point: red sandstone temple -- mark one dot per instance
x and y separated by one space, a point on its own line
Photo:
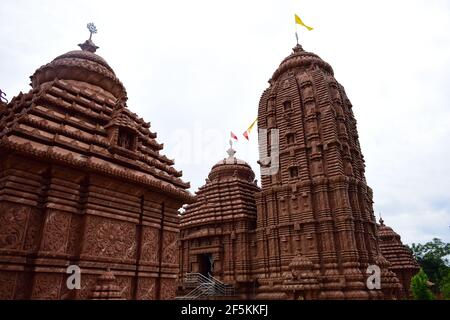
83 183
309 232
402 262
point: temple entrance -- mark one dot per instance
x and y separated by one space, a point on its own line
205 264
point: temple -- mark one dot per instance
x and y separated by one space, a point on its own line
402 262
309 232
217 231
83 182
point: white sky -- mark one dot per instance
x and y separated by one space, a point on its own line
196 70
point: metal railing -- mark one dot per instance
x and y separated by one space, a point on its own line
205 287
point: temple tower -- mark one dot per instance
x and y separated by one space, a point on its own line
400 256
216 232
317 208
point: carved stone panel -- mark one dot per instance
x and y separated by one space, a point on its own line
168 288
55 232
110 238
169 247
7 285
12 226
146 289
47 286
150 247
34 227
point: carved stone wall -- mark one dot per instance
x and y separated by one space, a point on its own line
60 216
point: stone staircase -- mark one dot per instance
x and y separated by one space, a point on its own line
205 287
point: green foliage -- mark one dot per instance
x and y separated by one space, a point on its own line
433 258
435 249
419 287
445 287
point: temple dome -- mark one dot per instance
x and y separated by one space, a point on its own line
385 232
400 257
82 66
300 58
232 167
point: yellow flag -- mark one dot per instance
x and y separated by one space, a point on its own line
252 125
300 22
247 132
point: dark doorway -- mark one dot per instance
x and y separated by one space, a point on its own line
205 266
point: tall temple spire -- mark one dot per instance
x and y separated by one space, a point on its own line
312 171
89 45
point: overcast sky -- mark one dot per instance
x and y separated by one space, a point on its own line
196 70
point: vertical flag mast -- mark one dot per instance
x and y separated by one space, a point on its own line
300 22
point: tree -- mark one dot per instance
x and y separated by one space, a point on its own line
419 286
445 287
433 258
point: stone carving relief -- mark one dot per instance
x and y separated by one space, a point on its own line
150 246
307 93
146 289
335 95
168 288
310 108
87 283
7 283
22 288
125 284
33 229
73 241
12 225
46 286
109 238
169 247
55 232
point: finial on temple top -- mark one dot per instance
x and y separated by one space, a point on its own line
92 29
298 48
231 152
89 45
381 220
